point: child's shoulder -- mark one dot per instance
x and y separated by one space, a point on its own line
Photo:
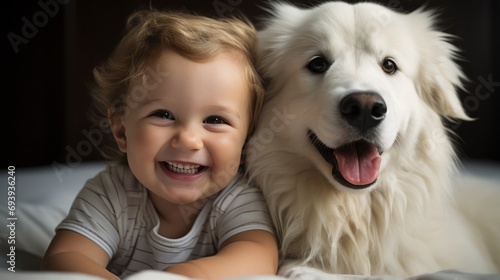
118 170
239 191
116 177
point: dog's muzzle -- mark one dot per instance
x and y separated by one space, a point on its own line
354 165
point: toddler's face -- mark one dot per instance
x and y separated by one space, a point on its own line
184 138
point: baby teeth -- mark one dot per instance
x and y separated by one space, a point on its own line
183 168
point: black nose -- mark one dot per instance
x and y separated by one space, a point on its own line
363 110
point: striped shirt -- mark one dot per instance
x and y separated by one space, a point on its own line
114 210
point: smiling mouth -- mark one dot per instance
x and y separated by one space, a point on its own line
183 168
355 165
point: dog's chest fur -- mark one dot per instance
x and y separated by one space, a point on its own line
366 233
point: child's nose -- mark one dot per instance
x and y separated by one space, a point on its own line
187 139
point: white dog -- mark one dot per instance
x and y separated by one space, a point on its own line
351 151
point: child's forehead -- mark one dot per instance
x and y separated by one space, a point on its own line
175 72
171 66
170 57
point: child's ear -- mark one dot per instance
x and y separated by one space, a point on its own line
118 130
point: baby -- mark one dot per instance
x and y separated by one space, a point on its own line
181 96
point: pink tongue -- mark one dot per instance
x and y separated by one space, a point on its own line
358 163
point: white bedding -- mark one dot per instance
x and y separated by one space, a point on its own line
44 195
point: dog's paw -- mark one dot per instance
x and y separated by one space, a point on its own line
297 271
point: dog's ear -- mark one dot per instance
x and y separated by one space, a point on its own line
439 76
277 27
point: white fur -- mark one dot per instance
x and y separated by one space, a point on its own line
407 223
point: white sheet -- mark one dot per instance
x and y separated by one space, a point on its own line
44 195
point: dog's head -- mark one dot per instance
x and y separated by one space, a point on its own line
357 81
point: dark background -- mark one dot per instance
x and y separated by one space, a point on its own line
45 81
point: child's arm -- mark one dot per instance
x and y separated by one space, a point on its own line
70 251
253 252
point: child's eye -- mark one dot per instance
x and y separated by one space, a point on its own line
162 114
215 120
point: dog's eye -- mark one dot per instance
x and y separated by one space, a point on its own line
389 66
318 65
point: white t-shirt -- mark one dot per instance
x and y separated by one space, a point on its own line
114 210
